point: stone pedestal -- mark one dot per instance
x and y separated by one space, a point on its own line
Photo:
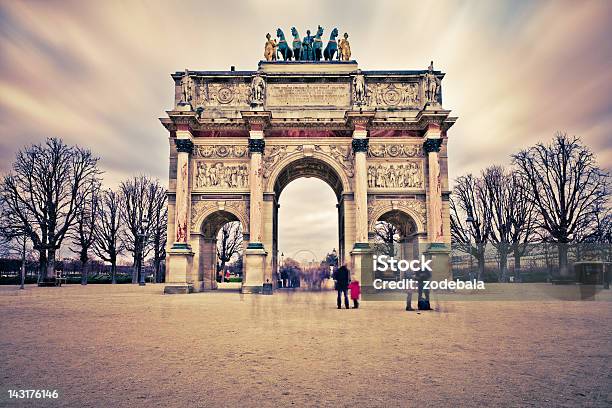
362 267
255 267
180 266
441 262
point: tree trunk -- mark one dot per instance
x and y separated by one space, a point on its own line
50 273
157 264
135 270
113 272
481 265
563 267
23 264
517 265
84 273
42 265
503 262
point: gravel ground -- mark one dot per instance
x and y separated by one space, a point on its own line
127 346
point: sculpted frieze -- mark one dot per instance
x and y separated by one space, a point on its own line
395 150
395 176
405 95
221 175
220 151
223 94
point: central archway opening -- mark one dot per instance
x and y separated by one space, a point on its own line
308 224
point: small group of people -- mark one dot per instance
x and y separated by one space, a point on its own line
345 283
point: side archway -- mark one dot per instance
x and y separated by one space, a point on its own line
205 239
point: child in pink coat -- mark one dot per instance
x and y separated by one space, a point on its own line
355 292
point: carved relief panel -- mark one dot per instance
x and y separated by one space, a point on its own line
394 95
222 94
401 175
220 167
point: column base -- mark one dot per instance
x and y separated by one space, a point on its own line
178 289
180 246
255 267
180 268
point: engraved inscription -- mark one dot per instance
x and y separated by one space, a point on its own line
308 95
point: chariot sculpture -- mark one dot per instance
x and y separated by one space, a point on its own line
310 48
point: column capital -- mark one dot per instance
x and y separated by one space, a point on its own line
359 120
256 120
256 145
431 145
360 145
184 145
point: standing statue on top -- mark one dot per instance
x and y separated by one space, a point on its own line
186 88
332 46
258 90
359 89
432 86
307 51
270 48
345 48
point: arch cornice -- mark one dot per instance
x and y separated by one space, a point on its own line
415 209
343 170
200 210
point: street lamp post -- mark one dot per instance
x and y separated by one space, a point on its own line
142 240
469 220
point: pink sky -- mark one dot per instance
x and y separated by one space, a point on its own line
97 74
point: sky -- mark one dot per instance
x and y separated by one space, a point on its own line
97 74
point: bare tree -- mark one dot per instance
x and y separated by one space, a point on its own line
512 218
108 228
469 202
229 243
44 192
158 225
522 223
83 232
140 199
387 235
566 186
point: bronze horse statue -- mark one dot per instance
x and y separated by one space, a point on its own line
318 45
283 47
332 46
297 44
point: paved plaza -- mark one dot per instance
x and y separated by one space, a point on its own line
125 345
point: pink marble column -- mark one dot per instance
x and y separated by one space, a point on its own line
431 146
184 146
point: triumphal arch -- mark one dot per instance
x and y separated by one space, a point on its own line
237 138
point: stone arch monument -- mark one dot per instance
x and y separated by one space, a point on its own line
237 138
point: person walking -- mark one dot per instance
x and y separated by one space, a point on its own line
341 276
355 291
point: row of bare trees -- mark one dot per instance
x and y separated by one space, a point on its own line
553 193
53 196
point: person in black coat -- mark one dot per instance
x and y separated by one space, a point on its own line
342 278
